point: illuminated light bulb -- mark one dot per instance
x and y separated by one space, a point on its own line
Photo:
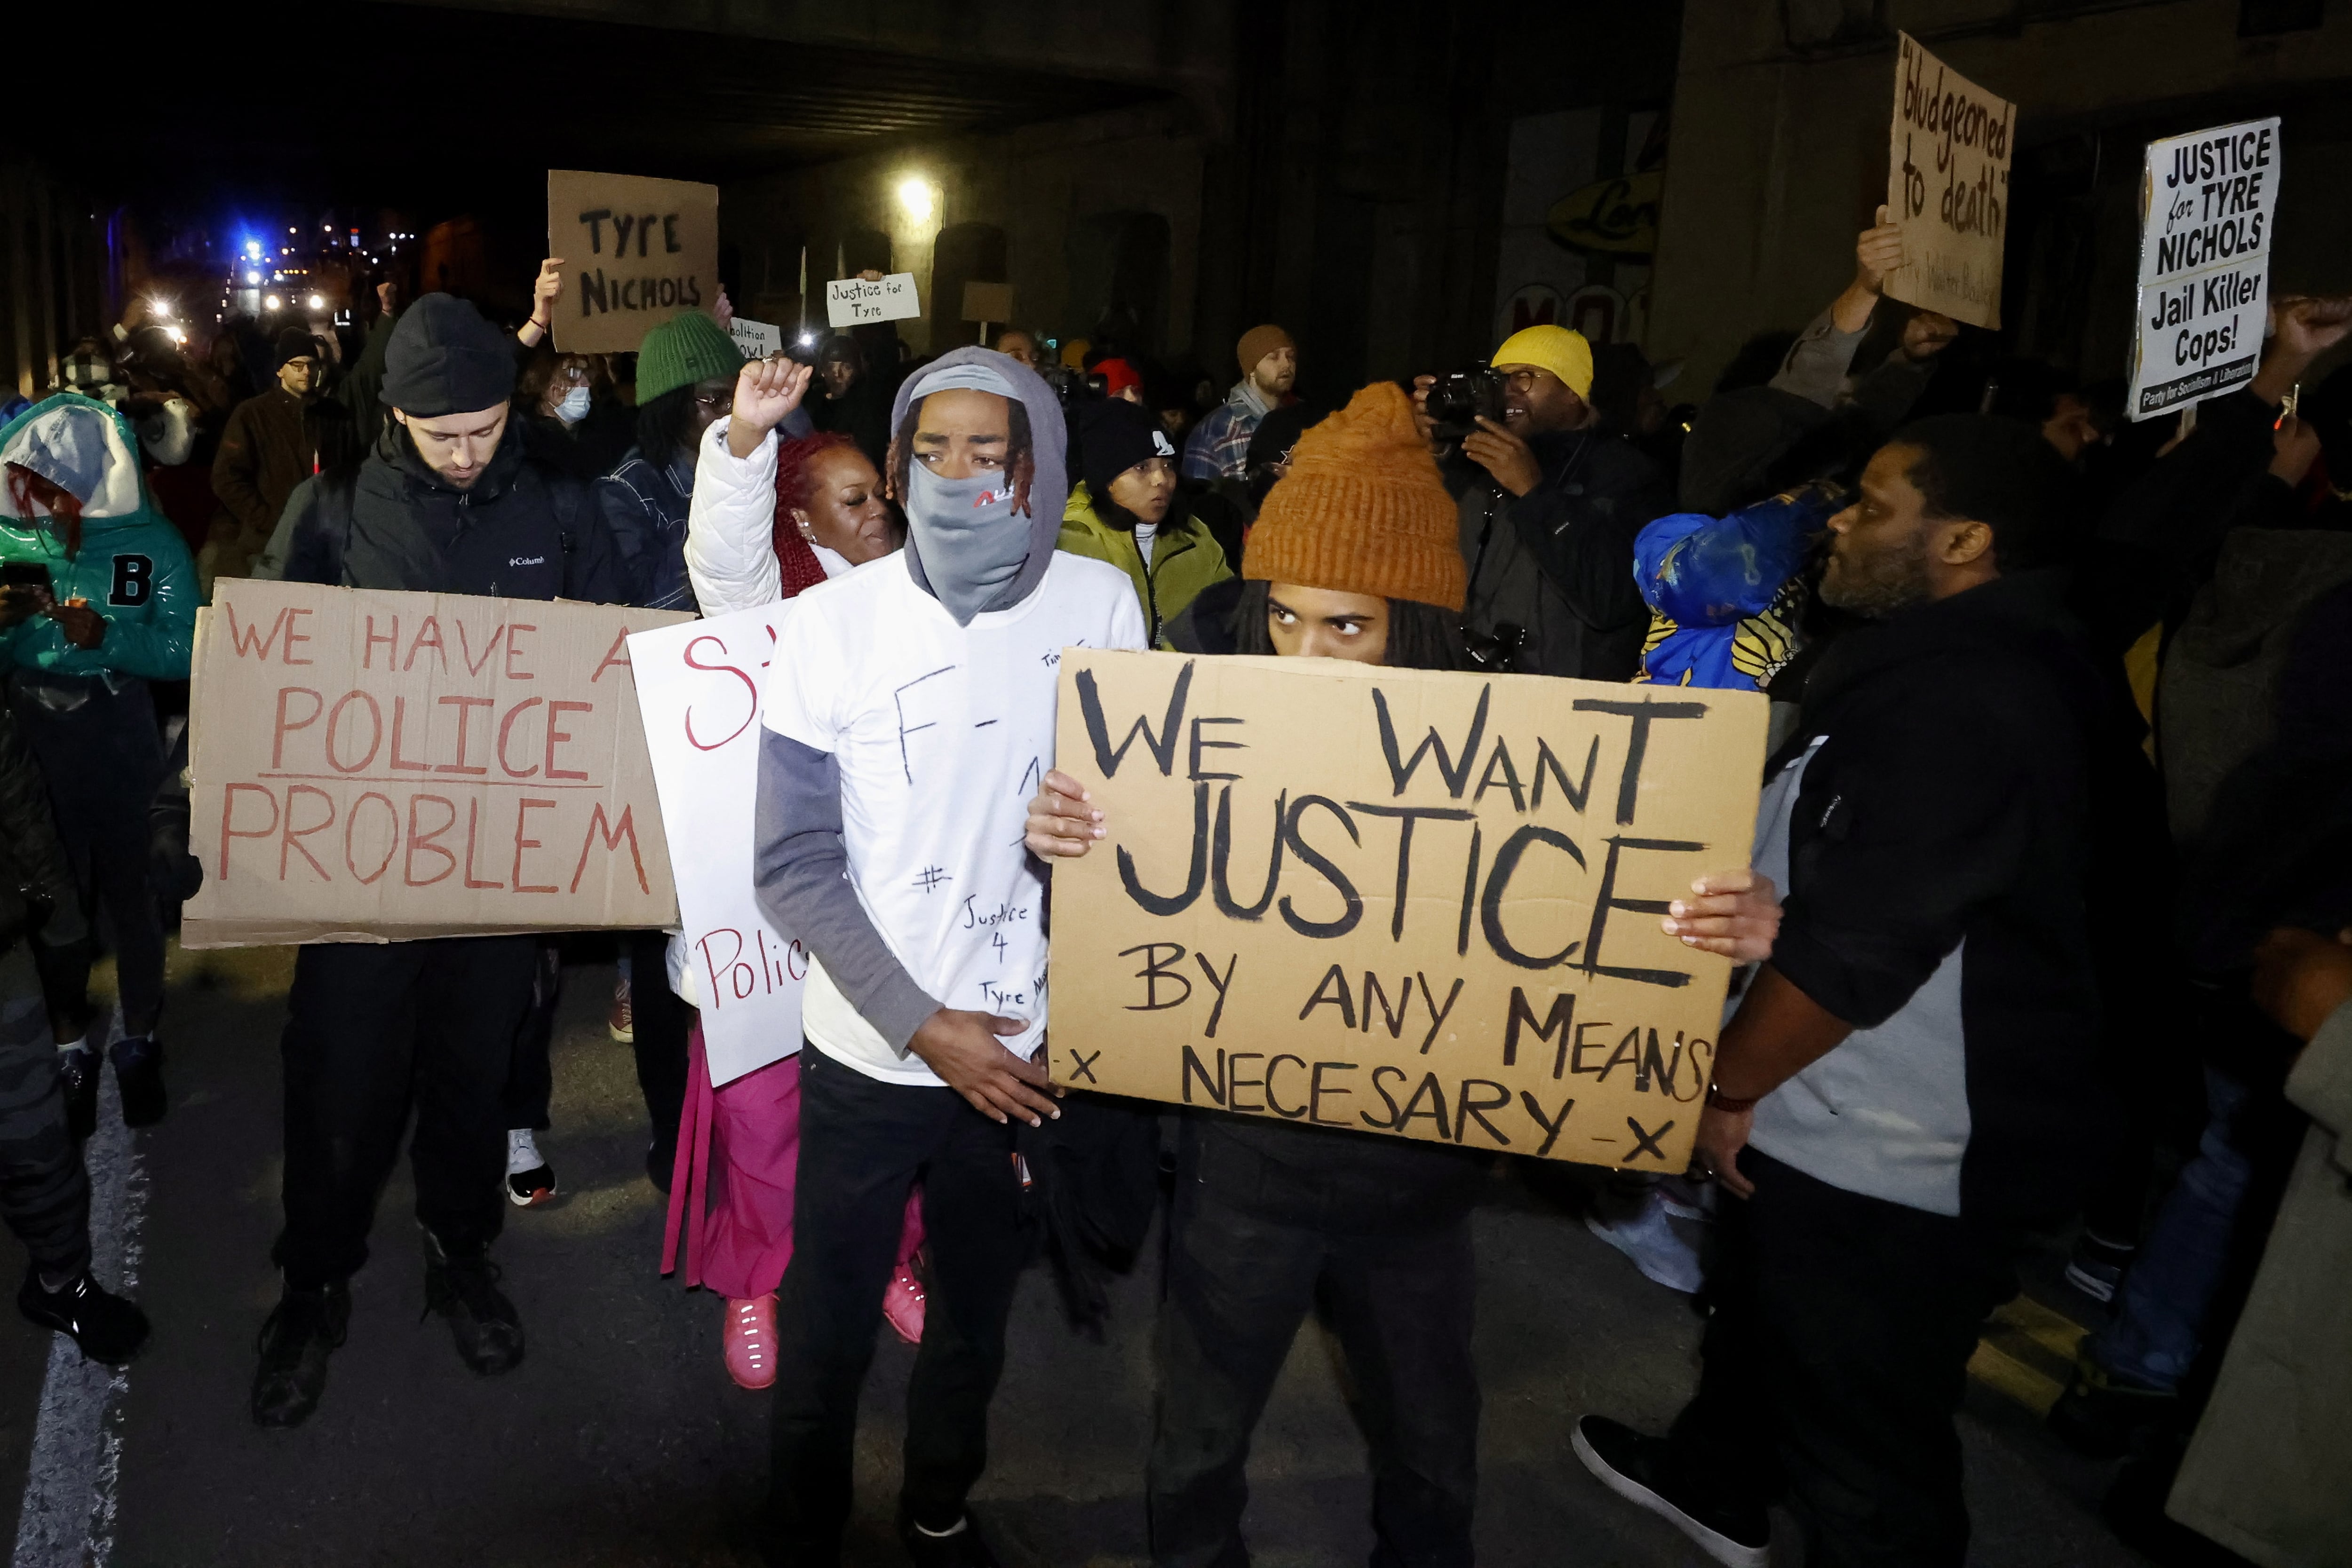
272 302
916 197
318 303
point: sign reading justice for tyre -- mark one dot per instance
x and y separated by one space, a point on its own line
1404 901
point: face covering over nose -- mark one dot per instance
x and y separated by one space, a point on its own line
574 406
972 542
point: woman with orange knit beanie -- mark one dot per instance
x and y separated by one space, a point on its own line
1355 556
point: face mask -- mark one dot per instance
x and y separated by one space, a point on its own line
971 543
574 406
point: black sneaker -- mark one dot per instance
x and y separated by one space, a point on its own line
661 1163
465 1289
1632 1465
139 1074
962 1548
2101 1417
2097 1266
78 1072
105 1326
302 1331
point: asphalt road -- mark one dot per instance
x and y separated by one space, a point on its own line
621 1441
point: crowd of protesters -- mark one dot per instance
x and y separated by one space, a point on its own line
2046 928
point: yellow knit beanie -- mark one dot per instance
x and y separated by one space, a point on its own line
1362 510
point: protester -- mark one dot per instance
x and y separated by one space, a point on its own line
44 1194
448 503
1019 345
1353 558
1120 511
264 453
1549 506
117 611
1120 379
851 400
685 384
767 525
1219 444
1885 1142
577 431
921 1035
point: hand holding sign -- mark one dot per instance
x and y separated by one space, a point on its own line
1736 913
547 290
1061 822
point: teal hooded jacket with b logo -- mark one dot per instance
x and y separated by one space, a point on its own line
132 566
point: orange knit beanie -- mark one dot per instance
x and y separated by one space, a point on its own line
1362 510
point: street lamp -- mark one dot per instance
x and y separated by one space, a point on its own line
915 194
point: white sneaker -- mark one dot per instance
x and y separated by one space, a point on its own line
1650 1240
530 1180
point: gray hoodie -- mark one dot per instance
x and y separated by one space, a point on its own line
800 864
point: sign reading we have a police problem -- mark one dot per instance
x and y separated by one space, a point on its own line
381 766
1414 902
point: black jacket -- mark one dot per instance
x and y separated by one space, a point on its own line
523 531
35 876
1558 562
1950 800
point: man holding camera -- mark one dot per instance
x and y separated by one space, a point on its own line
1549 505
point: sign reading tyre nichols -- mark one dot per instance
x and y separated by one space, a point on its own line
381 767
2208 202
1400 901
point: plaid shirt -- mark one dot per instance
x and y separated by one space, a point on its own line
1219 447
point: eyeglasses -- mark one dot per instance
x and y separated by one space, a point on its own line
722 402
1521 381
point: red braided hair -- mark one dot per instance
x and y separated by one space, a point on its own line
795 484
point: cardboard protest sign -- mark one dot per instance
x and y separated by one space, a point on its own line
699 688
636 251
1947 185
1415 903
755 339
986 302
853 301
381 767
2207 203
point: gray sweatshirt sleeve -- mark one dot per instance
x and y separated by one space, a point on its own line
802 872
1818 362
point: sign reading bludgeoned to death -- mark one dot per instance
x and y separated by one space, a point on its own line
636 251
377 765
1947 185
1414 902
2207 204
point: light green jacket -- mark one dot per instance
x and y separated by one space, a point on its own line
1185 558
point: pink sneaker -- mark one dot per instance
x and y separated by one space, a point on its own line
902 1303
752 1340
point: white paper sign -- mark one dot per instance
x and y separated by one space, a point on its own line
756 340
698 690
2207 203
853 301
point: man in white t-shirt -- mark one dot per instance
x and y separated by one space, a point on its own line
910 717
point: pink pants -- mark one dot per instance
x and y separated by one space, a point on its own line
731 1194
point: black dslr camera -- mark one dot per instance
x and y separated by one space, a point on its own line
1460 400
1074 387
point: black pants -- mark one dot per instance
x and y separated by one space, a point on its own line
372 1030
44 1194
103 761
660 1022
1833 1363
1244 1262
863 1144
530 1081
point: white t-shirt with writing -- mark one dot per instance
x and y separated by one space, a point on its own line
941 734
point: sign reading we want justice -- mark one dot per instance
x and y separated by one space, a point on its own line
1408 902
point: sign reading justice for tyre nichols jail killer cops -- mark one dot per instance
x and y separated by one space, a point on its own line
371 766
1409 901
1948 185
2207 203
636 251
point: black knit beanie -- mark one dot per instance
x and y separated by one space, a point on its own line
444 359
1114 435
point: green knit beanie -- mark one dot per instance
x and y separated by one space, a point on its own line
688 348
